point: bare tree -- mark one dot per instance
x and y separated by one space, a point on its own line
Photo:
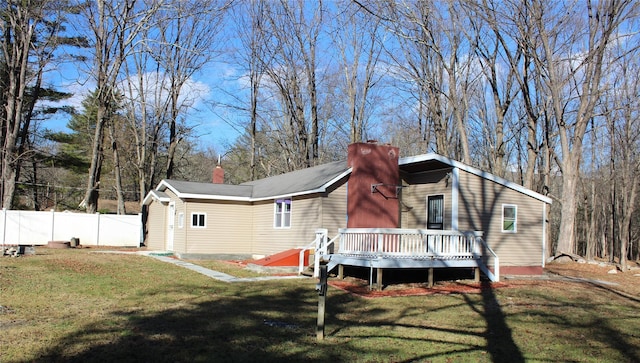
624 126
435 58
292 30
250 21
356 38
115 28
186 33
572 82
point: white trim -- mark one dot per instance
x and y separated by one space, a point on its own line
515 222
275 213
199 214
180 220
455 188
544 234
153 195
472 170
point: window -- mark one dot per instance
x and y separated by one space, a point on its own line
509 218
180 220
198 220
282 218
435 212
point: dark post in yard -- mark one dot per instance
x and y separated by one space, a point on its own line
321 287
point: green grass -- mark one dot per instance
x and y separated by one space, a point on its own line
76 306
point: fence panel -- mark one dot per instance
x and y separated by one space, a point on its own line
80 225
119 230
38 228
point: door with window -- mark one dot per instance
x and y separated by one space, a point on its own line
171 219
435 212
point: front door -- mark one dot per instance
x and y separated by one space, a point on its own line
171 219
435 212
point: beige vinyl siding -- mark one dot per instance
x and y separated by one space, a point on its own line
156 226
305 219
334 210
480 209
418 187
227 231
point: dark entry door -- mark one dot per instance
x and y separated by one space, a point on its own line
435 212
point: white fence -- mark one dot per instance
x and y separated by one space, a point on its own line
38 228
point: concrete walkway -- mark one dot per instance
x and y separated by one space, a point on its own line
220 276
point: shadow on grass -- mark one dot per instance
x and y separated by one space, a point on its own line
260 323
275 321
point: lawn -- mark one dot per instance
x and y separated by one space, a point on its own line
78 306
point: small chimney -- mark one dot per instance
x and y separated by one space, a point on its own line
218 173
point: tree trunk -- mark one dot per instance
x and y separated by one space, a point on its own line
116 169
566 235
90 201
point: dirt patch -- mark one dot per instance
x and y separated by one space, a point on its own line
599 272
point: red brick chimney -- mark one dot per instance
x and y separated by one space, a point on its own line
218 174
372 200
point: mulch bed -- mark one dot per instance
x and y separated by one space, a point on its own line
361 288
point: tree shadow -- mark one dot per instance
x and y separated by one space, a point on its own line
498 334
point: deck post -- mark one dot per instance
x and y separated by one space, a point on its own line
341 272
379 279
476 271
430 284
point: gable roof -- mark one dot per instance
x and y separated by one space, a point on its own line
435 161
300 182
312 180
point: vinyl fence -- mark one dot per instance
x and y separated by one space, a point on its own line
38 228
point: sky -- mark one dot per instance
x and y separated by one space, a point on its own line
211 128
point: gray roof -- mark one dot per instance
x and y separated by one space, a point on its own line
311 180
196 188
300 181
305 181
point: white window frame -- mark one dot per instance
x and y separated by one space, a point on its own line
198 225
283 202
181 220
515 219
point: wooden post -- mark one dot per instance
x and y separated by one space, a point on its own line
341 272
476 271
322 297
379 279
430 277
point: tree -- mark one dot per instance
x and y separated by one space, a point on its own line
292 30
432 56
30 35
115 27
356 37
573 73
249 20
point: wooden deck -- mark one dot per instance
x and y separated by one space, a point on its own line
380 248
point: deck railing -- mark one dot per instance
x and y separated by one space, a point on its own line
409 243
404 243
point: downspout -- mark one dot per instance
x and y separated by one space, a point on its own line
455 185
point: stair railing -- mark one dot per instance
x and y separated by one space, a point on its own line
495 275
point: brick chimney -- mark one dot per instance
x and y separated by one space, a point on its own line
372 200
218 173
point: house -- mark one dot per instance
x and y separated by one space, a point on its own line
424 211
